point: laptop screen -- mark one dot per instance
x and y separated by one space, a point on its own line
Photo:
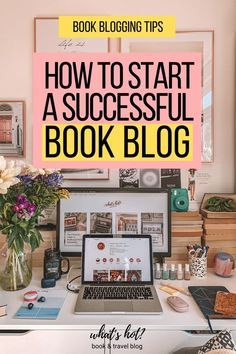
123 259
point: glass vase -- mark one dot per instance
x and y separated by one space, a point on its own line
17 268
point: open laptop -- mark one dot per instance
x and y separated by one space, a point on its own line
117 276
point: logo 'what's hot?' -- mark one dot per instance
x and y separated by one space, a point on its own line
139 108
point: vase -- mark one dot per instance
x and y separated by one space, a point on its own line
17 268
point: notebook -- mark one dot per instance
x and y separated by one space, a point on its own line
205 298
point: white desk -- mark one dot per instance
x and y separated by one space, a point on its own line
170 325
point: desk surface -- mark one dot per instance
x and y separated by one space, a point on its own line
169 320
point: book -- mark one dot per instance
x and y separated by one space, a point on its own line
185 214
187 228
188 215
213 237
220 215
225 303
187 233
3 310
218 232
219 221
185 241
220 227
187 222
221 243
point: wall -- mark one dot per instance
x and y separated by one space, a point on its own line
16 38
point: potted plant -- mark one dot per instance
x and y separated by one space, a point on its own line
25 192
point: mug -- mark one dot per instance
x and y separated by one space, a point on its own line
53 264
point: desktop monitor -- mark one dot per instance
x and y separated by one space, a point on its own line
111 211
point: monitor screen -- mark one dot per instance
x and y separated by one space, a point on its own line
114 211
123 259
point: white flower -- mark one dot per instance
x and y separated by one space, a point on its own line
4 185
29 169
50 171
9 170
11 164
20 163
3 163
8 173
32 171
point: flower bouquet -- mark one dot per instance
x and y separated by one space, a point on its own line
25 192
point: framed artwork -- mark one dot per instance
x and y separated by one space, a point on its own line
46 39
139 178
187 41
48 219
149 178
129 177
114 211
12 128
84 174
170 178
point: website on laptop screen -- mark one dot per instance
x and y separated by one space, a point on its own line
117 260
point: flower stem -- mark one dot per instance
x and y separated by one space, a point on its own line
14 269
16 266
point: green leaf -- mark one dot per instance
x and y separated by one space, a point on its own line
14 218
6 208
6 230
24 225
12 237
35 238
19 243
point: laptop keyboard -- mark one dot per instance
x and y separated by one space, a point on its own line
117 293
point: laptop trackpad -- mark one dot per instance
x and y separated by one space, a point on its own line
118 306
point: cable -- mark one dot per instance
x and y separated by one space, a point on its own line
209 324
72 288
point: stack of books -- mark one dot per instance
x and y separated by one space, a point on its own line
219 235
187 228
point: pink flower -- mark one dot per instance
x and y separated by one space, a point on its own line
15 208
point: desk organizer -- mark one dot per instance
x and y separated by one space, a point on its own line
198 267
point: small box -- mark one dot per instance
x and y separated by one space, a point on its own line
48 283
217 214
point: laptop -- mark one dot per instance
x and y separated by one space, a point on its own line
117 276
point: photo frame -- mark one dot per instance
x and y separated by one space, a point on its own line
12 128
47 222
46 39
90 174
114 211
188 41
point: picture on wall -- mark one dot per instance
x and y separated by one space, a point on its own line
85 174
47 40
187 41
149 178
139 178
129 178
47 220
12 128
170 178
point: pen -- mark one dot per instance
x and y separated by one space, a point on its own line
178 288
